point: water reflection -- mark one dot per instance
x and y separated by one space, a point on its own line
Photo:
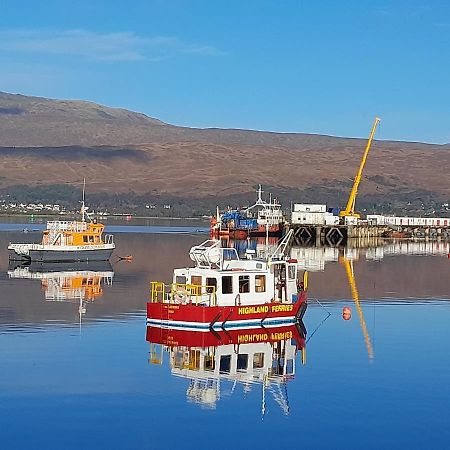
383 274
314 258
225 362
79 283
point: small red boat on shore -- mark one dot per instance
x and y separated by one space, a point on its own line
224 291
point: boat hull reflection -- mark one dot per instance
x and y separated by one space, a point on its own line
66 281
265 357
189 338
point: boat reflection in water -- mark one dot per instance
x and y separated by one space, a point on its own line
263 357
68 282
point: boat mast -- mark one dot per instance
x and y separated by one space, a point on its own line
82 202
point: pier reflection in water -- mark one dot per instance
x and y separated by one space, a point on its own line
245 358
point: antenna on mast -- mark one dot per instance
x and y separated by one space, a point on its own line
83 208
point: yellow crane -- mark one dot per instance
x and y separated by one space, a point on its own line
349 214
355 295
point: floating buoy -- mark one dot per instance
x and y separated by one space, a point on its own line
128 258
346 313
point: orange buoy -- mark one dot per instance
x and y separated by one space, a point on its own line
346 313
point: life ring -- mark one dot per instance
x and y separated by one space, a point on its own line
180 296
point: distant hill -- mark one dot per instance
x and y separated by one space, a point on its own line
45 141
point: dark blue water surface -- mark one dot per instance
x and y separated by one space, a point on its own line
74 378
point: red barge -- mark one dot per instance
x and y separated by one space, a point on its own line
224 291
259 220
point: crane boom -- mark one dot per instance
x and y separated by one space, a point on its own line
350 208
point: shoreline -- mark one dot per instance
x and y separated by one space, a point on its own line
110 216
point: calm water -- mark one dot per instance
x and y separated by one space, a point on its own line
81 374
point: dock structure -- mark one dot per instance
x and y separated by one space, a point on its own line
334 234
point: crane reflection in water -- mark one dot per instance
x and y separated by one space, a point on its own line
245 359
315 258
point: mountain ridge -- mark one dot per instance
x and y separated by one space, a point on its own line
44 141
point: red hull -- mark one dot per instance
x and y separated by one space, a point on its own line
236 233
190 315
185 338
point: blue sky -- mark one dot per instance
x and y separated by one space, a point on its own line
323 67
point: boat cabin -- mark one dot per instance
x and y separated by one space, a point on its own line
221 278
74 233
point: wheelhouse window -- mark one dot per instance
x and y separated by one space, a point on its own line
242 362
196 280
227 285
260 283
209 362
289 367
292 272
194 359
211 285
258 360
229 254
244 284
180 280
225 364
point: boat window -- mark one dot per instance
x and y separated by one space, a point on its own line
229 254
196 280
85 239
242 362
178 358
209 362
292 272
277 367
260 283
180 280
290 367
258 360
211 285
244 284
194 359
227 285
225 364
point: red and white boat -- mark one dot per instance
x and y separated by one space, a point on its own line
224 291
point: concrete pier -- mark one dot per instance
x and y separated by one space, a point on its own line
341 234
334 234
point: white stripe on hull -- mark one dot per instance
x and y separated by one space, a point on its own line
203 326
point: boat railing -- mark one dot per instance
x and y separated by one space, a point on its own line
280 251
67 226
210 254
181 293
109 239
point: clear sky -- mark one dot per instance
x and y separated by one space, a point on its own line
312 66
